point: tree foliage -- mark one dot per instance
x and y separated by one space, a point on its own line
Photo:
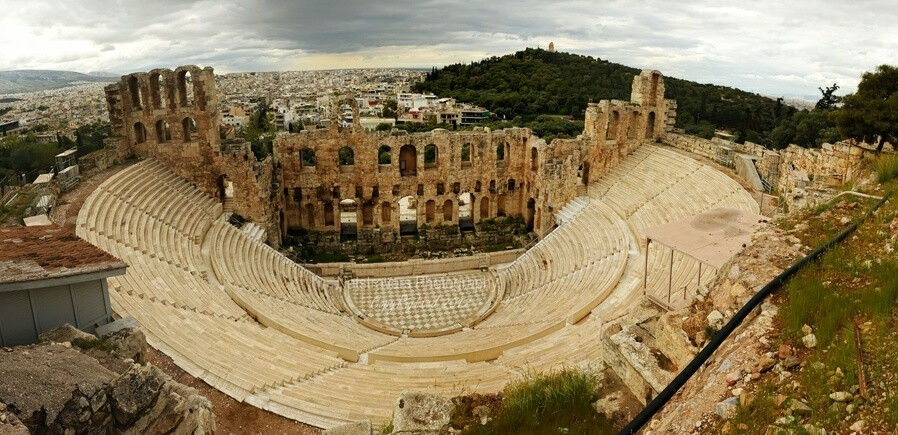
829 100
871 113
536 82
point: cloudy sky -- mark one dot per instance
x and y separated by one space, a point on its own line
775 47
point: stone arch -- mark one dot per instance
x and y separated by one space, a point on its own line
349 228
465 212
368 213
328 214
163 131
531 213
346 156
140 133
500 153
448 210
307 157
408 160
157 90
386 213
408 216
430 211
188 129
466 154
500 205
431 156
650 126
485 208
134 90
534 158
384 156
633 129
584 173
184 83
477 186
310 215
511 184
613 125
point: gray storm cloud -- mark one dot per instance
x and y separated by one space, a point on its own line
766 46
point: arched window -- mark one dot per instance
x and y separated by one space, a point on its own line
140 133
466 155
531 213
163 132
613 125
188 127
347 156
500 208
447 211
500 152
408 160
534 158
633 129
134 90
185 88
307 156
383 155
430 156
157 90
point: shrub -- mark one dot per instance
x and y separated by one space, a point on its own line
886 167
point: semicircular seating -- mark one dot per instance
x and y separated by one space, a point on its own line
236 313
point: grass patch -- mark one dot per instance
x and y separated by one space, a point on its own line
558 402
886 167
91 343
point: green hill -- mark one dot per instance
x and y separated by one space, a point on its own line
18 81
532 82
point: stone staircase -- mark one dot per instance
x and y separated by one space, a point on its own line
254 232
571 209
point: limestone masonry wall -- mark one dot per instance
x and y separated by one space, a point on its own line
791 168
377 184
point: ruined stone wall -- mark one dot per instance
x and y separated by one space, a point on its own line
172 116
828 166
788 169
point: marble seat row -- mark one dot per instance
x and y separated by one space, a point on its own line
241 262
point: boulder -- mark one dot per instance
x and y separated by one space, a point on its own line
809 341
421 413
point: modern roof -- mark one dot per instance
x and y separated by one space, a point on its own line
712 237
48 252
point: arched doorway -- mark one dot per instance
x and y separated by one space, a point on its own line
465 216
134 90
408 216
531 213
368 214
485 208
584 176
188 127
310 216
613 125
408 161
430 209
650 126
349 229
447 210
140 133
328 214
386 214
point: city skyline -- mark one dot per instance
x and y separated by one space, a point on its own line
764 47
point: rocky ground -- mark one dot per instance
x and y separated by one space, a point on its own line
57 387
